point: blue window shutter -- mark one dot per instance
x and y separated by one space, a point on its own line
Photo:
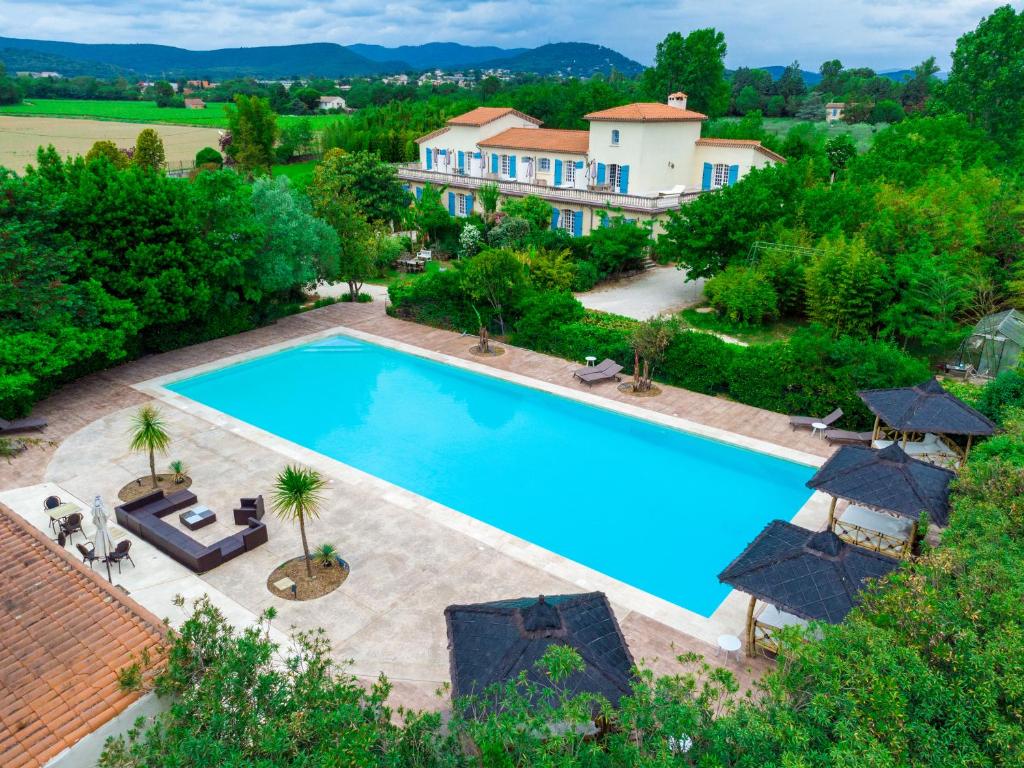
600 173
430 158
476 155
623 179
419 192
462 160
705 182
451 203
606 220
734 173
558 172
577 223
469 205
494 162
405 187
512 166
554 218
579 165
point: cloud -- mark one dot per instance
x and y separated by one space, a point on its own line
879 33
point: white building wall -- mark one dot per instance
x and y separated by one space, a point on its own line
466 137
659 154
744 157
87 750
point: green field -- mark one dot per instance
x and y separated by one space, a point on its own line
862 133
299 173
138 112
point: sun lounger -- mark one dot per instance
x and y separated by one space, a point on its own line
21 425
846 437
808 422
606 370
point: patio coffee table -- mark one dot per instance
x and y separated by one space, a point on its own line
197 517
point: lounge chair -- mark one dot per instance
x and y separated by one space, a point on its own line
606 370
808 422
21 425
846 437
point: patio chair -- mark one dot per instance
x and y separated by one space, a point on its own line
51 502
88 552
606 370
121 553
808 422
846 437
21 425
71 525
249 508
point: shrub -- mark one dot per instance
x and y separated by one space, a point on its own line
599 334
698 362
743 295
435 298
544 314
551 270
1004 392
585 277
618 246
208 156
363 298
512 232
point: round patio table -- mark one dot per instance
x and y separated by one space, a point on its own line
818 428
729 644
590 361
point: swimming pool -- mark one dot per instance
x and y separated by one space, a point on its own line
656 508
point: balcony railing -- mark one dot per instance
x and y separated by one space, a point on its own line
650 204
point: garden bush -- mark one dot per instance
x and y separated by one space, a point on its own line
544 315
743 295
585 276
1000 395
435 298
698 362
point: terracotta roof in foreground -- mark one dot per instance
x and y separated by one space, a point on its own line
484 115
742 143
644 112
544 139
64 634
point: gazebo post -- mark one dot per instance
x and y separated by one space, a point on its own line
906 437
832 512
874 434
967 450
750 626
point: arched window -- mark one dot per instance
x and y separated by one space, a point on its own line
615 136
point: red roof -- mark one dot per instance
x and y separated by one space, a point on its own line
484 115
544 139
744 144
646 112
64 635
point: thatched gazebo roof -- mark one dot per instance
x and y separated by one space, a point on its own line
926 408
493 642
813 575
887 480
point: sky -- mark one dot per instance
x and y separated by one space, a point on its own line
884 34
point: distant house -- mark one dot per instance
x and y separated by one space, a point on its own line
195 104
199 84
53 75
834 111
65 636
332 102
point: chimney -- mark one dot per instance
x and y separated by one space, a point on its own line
677 100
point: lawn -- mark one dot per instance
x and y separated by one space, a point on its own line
299 173
862 133
138 112
748 334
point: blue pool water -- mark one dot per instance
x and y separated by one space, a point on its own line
659 509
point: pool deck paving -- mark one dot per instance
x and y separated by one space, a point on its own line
410 557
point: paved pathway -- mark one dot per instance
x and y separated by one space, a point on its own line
658 291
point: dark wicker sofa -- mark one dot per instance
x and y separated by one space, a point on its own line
143 517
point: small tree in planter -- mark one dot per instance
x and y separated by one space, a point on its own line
650 341
298 496
179 470
149 433
485 341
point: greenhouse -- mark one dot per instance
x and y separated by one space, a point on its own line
993 346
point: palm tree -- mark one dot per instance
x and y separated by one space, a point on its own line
149 433
297 496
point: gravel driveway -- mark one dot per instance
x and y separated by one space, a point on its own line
658 291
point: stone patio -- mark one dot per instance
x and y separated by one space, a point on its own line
406 566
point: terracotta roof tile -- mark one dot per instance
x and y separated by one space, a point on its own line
644 112
432 134
755 145
64 634
544 139
484 115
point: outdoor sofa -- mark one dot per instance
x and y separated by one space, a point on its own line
143 517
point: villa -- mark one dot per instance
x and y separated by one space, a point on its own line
644 159
834 111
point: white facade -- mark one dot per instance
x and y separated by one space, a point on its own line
642 159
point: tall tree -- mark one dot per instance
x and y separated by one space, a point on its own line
370 182
695 65
986 82
253 134
297 497
149 150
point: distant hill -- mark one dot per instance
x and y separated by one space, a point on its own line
575 59
436 55
315 59
18 60
810 78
